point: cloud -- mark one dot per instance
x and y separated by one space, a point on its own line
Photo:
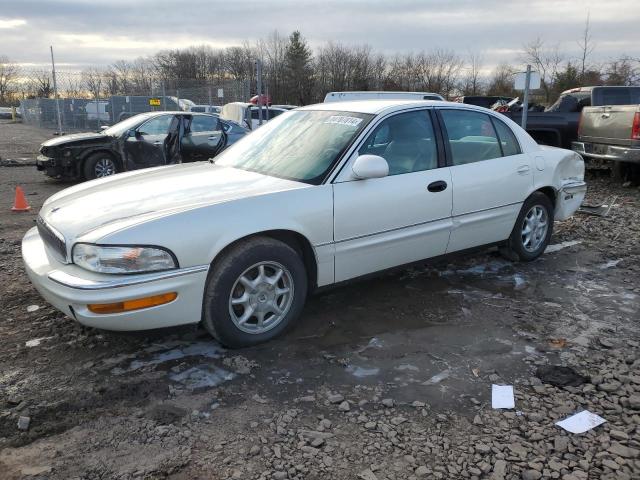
85 33
6 23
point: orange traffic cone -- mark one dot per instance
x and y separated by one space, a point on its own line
20 204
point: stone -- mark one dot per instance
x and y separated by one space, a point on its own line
280 475
388 402
623 451
618 435
335 398
367 475
634 401
23 423
344 406
560 443
255 450
499 470
531 475
482 448
421 471
612 386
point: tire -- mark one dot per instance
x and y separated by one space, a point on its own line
99 165
228 298
526 248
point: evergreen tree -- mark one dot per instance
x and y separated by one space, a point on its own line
298 70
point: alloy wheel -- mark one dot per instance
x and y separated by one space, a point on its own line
534 228
261 297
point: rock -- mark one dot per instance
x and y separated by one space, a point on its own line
344 406
335 398
23 423
560 443
611 386
280 475
482 448
422 471
255 450
623 451
531 475
618 435
367 475
477 420
634 401
388 402
499 470
398 420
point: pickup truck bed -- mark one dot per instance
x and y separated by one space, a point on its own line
556 129
610 132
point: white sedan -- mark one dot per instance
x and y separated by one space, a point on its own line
317 196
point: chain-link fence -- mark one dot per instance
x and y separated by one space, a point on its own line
88 101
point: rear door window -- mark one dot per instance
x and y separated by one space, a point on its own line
472 137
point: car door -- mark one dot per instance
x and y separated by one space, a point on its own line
491 177
203 139
401 218
146 147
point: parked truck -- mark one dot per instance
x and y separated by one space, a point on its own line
611 131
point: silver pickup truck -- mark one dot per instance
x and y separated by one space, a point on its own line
611 131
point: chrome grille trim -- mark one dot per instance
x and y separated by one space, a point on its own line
52 239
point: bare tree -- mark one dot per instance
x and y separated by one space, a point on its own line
501 81
624 70
586 44
40 84
472 81
93 81
547 61
9 73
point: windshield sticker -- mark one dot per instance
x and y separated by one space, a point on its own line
344 120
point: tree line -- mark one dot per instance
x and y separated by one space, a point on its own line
294 73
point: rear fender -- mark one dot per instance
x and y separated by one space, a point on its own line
568 181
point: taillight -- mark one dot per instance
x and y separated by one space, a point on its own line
635 129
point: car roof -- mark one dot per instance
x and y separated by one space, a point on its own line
377 107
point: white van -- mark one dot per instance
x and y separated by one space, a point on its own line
346 96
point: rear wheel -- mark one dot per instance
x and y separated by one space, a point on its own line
254 292
532 231
99 165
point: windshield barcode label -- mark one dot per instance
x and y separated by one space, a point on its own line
344 120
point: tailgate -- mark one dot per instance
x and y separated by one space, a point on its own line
610 124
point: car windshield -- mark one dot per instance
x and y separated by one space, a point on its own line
121 127
297 145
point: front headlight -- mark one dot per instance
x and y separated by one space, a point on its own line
122 259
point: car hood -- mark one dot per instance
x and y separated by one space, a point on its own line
76 137
103 206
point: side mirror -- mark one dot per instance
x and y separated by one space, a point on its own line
370 166
132 133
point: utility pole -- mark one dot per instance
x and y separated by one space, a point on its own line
55 91
259 88
525 102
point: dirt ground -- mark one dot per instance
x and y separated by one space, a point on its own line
387 378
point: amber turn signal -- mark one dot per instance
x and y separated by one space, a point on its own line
135 304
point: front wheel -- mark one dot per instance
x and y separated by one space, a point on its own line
99 165
532 232
254 292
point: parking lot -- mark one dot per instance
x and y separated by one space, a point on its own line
384 378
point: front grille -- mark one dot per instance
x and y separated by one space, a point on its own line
53 240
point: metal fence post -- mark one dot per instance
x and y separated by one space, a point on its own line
164 98
525 103
55 91
178 99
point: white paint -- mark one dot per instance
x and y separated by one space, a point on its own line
361 372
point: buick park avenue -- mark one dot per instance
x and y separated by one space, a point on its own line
319 195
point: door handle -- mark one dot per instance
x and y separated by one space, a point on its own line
213 138
438 186
157 143
523 169
606 115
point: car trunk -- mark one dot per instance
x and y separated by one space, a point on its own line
610 124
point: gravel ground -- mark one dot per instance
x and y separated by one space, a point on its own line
387 378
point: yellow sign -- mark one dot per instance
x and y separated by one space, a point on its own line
155 102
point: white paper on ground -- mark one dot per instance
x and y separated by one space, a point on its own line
502 396
581 422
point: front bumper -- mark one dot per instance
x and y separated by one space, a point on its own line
607 152
70 289
50 166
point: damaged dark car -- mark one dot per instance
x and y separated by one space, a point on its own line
145 140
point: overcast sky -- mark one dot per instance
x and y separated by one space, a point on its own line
99 32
